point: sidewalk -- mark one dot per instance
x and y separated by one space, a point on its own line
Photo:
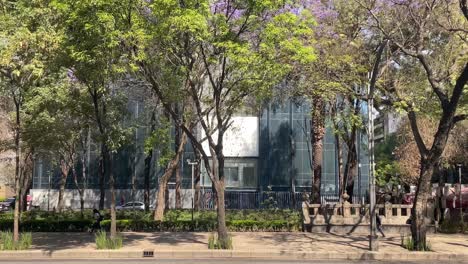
246 245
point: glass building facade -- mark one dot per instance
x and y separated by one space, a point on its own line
283 162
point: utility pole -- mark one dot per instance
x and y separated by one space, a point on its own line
373 243
461 199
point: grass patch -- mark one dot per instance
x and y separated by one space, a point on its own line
408 243
104 242
7 243
215 243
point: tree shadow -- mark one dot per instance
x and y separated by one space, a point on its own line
59 241
51 242
168 238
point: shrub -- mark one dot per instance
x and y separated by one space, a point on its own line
7 243
104 242
215 243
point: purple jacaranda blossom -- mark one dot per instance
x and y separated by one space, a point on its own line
71 75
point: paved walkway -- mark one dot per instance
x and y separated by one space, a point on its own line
248 241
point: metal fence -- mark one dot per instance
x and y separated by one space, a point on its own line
263 200
253 200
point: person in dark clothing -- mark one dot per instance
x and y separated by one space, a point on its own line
97 221
379 224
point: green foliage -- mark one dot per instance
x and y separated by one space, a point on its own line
450 226
7 243
161 138
408 243
174 221
104 242
270 202
386 169
215 243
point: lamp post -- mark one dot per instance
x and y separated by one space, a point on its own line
48 194
373 243
460 194
193 164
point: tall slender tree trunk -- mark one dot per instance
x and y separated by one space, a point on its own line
148 160
18 173
161 195
223 236
64 168
113 227
197 179
146 196
318 132
79 188
339 172
178 185
102 175
178 179
351 171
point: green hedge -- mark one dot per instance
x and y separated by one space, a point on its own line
149 225
174 221
48 226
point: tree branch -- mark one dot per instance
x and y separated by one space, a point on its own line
417 135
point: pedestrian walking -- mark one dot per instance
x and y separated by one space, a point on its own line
97 221
379 224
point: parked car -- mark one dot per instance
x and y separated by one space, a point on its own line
8 205
139 206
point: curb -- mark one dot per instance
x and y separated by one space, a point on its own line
216 254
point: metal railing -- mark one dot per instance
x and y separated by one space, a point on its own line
252 200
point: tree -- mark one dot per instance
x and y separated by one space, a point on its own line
429 37
29 41
94 33
56 124
223 53
408 157
329 83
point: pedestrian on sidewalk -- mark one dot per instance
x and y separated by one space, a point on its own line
97 221
379 224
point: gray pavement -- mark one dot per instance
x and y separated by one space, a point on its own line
284 247
211 261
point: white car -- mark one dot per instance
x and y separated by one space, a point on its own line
139 206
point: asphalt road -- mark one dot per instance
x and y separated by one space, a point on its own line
208 261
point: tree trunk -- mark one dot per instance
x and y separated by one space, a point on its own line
431 157
350 169
161 195
102 175
178 196
178 180
219 187
221 210
18 173
113 227
65 168
148 159
160 201
318 132
80 190
146 198
419 210
197 179
339 158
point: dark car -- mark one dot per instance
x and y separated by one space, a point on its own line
7 205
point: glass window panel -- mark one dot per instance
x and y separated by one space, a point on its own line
248 177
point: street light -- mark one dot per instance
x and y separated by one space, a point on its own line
373 243
193 164
460 193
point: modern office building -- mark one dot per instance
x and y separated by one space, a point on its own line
271 151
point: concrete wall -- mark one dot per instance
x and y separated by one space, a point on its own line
44 199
